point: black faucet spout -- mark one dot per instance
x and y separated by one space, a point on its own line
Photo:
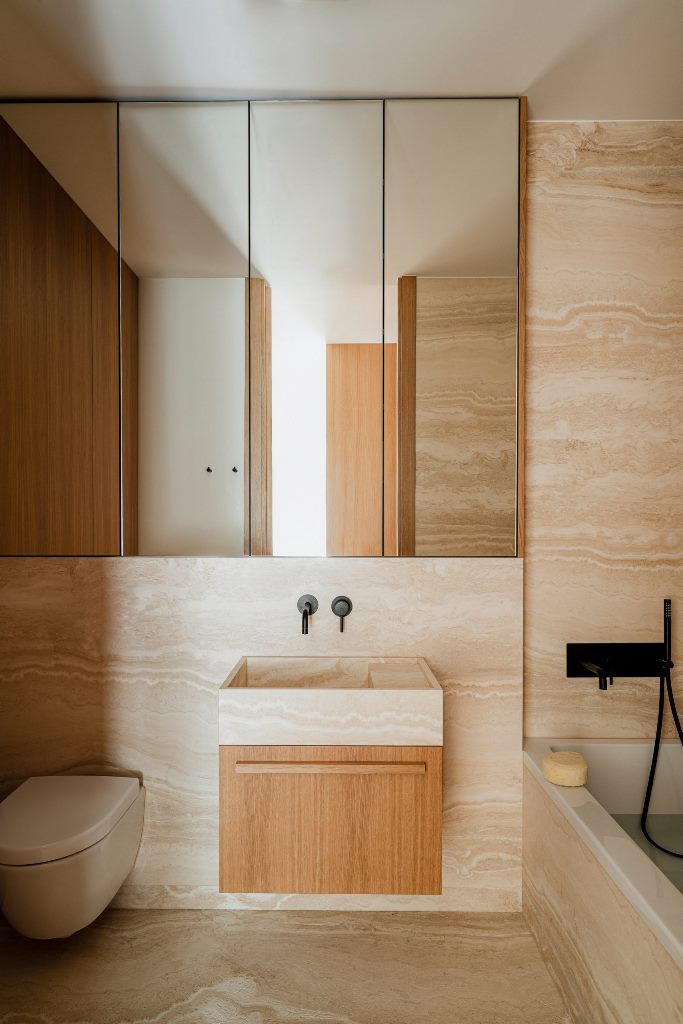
304 618
307 605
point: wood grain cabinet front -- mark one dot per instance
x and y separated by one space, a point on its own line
348 819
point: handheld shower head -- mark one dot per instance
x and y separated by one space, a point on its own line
668 663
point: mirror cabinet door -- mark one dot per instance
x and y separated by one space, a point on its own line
316 328
184 294
59 390
451 209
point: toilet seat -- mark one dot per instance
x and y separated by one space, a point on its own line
51 817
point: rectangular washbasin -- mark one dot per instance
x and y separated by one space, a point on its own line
335 701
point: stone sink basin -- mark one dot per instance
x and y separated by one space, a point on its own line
334 701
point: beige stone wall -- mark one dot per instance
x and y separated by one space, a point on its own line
466 416
604 467
118 662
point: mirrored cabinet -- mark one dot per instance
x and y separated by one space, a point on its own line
267 328
184 200
451 325
316 250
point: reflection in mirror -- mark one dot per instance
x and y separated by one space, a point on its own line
316 318
184 289
59 420
451 320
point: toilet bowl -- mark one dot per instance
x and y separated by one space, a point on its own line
67 843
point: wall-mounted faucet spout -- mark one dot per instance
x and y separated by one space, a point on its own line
601 672
307 605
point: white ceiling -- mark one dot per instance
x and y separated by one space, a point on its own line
574 59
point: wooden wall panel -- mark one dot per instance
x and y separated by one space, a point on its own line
407 328
105 412
24 508
59 281
68 353
604 467
354 449
521 327
260 417
130 407
390 450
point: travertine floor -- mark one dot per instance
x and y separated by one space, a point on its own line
257 967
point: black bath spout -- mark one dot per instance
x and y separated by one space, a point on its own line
626 660
601 673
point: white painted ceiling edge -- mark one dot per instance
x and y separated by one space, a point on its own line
574 59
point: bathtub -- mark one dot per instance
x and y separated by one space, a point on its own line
617 775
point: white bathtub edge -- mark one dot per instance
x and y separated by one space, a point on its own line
656 899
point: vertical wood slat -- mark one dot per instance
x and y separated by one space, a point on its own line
269 403
406 378
129 407
68 359
260 417
105 373
390 451
247 439
521 326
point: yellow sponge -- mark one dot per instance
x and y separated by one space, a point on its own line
565 768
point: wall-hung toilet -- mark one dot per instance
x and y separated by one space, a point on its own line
67 843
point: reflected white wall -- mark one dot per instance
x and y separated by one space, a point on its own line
298 408
191 415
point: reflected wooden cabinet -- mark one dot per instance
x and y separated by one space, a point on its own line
327 819
59 390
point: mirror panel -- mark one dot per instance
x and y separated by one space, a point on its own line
184 291
451 209
308 345
59 392
316 243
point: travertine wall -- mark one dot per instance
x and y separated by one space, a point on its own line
466 416
604 415
118 662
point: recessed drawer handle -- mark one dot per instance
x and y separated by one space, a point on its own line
330 767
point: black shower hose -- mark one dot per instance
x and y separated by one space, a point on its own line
664 681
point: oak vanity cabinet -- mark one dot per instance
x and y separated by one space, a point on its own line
330 819
330 776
